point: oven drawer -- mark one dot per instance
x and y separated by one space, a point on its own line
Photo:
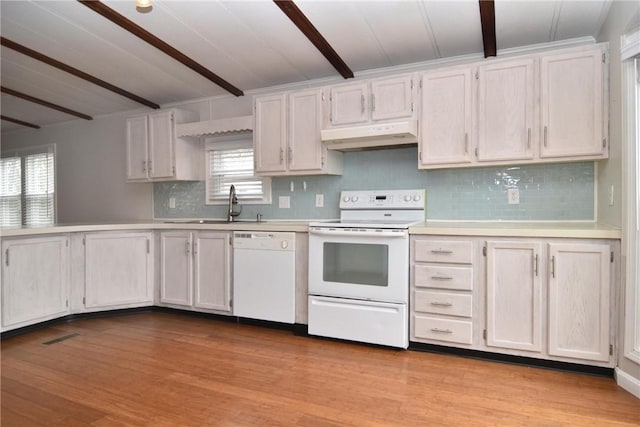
433 328
449 251
443 303
443 277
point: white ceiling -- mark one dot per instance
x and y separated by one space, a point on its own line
251 44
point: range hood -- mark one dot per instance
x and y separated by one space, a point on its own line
381 135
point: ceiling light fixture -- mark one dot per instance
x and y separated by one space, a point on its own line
144 6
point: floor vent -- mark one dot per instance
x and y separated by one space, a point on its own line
60 339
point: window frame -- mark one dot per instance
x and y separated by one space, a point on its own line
232 143
22 153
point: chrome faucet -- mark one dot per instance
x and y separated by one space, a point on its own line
233 203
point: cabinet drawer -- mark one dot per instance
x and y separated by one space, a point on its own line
443 277
443 303
456 252
433 328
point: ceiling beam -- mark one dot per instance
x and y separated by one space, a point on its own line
74 71
20 122
308 29
488 22
154 41
43 102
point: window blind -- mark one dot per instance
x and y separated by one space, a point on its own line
11 192
233 166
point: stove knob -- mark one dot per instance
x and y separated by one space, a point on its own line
346 199
407 198
417 198
354 199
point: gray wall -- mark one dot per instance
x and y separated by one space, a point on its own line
623 17
90 170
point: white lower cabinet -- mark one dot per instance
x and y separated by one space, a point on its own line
118 270
195 270
556 289
35 280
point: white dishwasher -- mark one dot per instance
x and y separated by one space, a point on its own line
264 275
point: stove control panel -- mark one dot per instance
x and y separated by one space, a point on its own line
383 199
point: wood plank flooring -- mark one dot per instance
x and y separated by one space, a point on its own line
164 369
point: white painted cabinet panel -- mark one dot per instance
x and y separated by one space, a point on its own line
446 118
392 98
154 153
506 110
196 270
305 150
579 289
176 268
572 104
270 133
35 280
118 269
349 104
514 292
212 271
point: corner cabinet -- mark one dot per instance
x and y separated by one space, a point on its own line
386 99
286 136
155 153
118 270
546 107
196 270
35 280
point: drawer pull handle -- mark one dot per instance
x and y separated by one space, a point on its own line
441 251
441 331
441 304
441 278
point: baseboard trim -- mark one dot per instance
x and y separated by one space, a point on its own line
627 382
514 360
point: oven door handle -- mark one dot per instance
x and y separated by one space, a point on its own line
359 233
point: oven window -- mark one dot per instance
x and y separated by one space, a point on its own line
356 263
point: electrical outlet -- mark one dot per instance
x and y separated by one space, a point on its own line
513 196
284 202
319 200
172 202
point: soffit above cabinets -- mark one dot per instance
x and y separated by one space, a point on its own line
251 44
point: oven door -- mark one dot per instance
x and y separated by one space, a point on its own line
367 264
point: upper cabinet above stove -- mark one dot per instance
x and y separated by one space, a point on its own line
547 107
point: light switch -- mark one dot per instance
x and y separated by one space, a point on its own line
284 202
172 202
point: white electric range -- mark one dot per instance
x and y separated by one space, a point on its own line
359 267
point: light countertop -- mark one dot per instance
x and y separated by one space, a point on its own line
579 230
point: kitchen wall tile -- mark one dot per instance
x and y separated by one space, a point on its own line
563 191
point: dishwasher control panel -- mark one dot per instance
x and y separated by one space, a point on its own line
264 240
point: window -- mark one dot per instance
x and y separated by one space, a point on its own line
231 162
27 189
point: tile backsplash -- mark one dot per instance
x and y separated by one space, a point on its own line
559 191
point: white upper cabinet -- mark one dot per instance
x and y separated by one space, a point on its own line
571 102
286 135
386 99
445 125
506 110
154 153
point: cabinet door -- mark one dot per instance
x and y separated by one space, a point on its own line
505 110
177 267
349 104
35 280
445 128
305 121
571 104
270 133
161 145
392 98
137 147
212 271
118 269
579 301
514 309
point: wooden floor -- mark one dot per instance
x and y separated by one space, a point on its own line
163 369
